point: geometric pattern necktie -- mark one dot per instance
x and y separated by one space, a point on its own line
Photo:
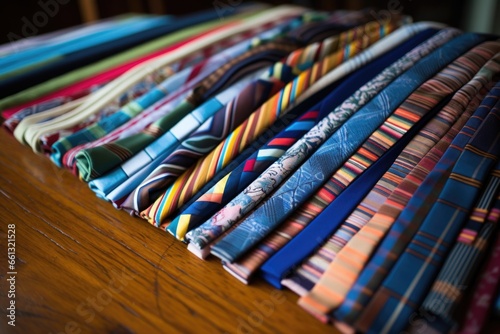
404 287
465 257
237 180
334 151
351 259
249 99
195 178
232 212
438 140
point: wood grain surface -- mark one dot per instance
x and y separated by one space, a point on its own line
84 267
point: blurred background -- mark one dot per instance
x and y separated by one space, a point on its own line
24 18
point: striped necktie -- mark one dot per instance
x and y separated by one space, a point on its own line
196 177
464 259
311 175
345 268
256 191
168 142
94 162
402 290
237 180
248 100
288 230
486 286
435 142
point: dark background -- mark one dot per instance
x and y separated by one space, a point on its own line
15 14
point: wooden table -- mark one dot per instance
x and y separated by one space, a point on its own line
84 267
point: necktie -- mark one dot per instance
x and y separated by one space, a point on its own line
57 37
345 268
401 292
435 142
485 288
11 123
194 178
221 193
249 99
460 266
310 176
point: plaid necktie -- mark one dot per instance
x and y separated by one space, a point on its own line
311 175
256 191
236 181
403 289
276 107
248 100
434 142
486 286
345 268
461 265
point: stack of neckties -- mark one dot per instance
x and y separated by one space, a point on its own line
353 161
